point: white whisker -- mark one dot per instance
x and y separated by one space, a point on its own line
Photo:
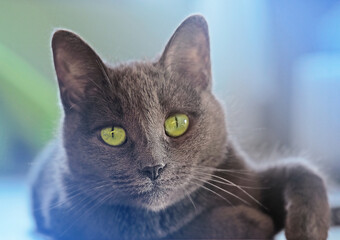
208 189
190 198
233 184
223 190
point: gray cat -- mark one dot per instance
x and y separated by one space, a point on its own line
144 153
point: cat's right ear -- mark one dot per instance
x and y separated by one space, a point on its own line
78 68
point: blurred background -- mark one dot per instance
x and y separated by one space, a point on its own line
276 68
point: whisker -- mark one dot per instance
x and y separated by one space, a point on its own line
238 171
73 214
242 186
235 185
240 174
226 191
244 178
80 210
74 194
217 194
190 198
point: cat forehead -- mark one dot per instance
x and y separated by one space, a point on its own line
148 86
135 80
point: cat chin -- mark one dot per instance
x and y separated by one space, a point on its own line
156 208
155 201
157 205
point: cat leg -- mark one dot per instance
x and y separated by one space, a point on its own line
295 196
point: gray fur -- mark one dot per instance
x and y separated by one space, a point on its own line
86 189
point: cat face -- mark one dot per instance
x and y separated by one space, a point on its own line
150 169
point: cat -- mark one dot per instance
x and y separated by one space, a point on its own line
144 153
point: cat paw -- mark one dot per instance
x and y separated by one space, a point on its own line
307 209
303 229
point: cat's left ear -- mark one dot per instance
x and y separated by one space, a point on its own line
188 52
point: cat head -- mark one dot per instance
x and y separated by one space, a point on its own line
116 118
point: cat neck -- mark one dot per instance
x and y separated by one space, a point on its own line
128 222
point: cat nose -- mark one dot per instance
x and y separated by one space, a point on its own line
154 171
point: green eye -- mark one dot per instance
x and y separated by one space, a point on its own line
113 136
176 125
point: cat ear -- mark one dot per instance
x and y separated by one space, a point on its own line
78 68
188 52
